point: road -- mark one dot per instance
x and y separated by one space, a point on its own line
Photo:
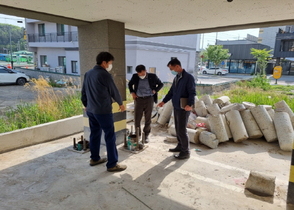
11 95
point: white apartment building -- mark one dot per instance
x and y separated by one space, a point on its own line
56 49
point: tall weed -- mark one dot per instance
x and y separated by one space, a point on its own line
50 105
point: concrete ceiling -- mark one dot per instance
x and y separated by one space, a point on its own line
159 17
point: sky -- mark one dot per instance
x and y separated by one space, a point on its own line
7 19
209 38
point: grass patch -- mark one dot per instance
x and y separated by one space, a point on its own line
50 106
257 96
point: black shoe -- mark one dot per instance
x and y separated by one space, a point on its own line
146 140
174 150
182 155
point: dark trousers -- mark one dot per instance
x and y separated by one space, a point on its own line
143 106
181 119
99 122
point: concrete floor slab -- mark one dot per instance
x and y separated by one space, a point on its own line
50 176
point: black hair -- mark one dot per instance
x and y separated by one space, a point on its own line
104 56
140 68
174 62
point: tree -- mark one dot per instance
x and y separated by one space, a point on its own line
17 41
262 58
216 54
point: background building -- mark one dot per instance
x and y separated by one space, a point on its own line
56 49
241 60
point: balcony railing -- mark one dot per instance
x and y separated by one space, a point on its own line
54 37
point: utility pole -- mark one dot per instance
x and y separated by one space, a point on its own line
11 61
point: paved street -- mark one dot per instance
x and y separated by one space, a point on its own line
11 95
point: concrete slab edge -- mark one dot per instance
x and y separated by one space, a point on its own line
41 133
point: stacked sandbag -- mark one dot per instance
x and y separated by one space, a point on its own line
165 114
236 125
264 122
215 121
284 129
282 106
250 124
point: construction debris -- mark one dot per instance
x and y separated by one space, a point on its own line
260 184
215 121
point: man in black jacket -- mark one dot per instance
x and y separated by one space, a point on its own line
97 94
144 87
183 87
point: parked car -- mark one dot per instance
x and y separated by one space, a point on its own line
217 70
12 76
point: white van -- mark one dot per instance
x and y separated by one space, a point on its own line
12 76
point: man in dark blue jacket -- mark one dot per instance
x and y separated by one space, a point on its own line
97 94
144 87
182 89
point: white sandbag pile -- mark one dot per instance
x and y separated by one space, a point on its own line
221 120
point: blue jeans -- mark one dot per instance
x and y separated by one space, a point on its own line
99 122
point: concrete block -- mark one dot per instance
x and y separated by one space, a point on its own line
208 139
284 130
264 122
218 127
206 99
260 184
237 126
165 115
200 109
213 109
251 125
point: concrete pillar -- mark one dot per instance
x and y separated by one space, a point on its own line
282 106
271 113
105 35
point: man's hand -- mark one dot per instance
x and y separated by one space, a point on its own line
160 104
134 96
188 108
122 108
153 91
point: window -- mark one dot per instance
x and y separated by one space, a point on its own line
41 29
60 29
43 60
61 61
152 70
129 69
3 70
287 45
74 66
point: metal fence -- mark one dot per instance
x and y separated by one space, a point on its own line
54 37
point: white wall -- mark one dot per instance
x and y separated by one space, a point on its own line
159 60
52 55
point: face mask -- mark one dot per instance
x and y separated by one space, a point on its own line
143 77
109 67
174 72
